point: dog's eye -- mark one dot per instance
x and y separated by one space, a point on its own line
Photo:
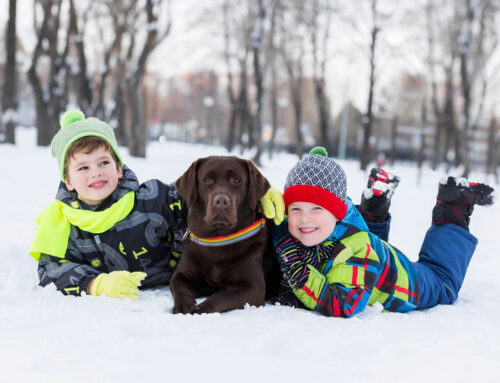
208 180
235 180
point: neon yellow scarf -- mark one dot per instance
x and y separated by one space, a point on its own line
54 224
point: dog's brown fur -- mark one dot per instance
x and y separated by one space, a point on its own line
223 194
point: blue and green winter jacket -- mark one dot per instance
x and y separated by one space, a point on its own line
363 270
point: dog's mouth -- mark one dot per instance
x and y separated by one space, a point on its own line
221 225
220 222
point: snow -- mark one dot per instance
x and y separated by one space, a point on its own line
10 115
47 337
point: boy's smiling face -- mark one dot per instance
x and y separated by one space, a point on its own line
309 223
93 175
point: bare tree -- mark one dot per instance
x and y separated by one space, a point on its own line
123 15
9 96
257 37
48 81
292 50
366 150
137 129
273 94
319 26
466 39
444 115
236 53
477 43
84 83
231 93
464 45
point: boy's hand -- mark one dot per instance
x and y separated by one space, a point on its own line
273 205
117 284
292 265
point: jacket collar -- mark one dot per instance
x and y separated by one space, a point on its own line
352 221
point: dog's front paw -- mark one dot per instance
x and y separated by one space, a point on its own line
208 306
184 306
182 309
199 310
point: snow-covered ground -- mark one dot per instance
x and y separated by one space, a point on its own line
47 337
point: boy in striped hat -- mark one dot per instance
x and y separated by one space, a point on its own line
334 265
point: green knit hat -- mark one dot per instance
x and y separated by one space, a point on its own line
74 126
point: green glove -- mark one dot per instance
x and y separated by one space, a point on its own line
117 284
273 205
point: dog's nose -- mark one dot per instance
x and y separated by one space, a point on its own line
221 200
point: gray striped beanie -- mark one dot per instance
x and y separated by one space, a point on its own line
320 180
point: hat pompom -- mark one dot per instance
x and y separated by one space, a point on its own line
71 116
319 150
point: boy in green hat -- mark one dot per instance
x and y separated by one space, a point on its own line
106 234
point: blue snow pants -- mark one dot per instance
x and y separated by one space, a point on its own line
442 263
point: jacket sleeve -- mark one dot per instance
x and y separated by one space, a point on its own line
68 275
380 229
175 209
347 285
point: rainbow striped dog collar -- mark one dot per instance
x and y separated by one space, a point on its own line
240 235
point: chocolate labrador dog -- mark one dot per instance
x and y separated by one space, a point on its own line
228 250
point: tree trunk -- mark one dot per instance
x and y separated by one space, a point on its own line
319 70
366 151
394 133
323 112
297 109
232 126
274 111
118 114
258 78
258 111
50 101
138 133
245 125
84 92
295 84
490 156
274 82
138 127
9 100
449 117
439 127
465 52
234 110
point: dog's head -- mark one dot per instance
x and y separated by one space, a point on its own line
220 189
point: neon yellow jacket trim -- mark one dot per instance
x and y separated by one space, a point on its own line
54 224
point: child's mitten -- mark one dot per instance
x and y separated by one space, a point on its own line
376 197
286 297
273 205
117 284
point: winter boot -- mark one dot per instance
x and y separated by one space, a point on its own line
456 199
376 197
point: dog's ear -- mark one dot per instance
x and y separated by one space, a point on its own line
186 184
258 185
